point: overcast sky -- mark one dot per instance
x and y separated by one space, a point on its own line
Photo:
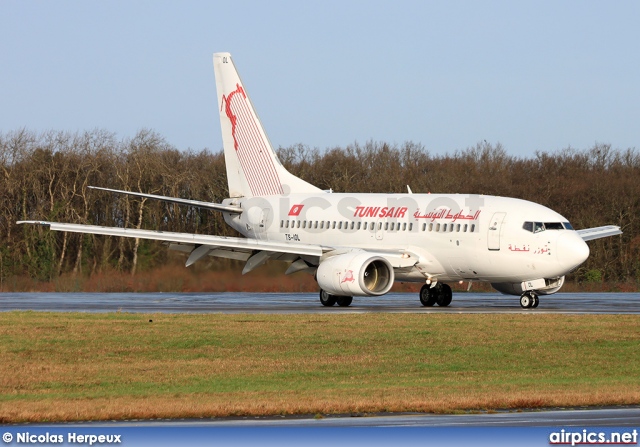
532 75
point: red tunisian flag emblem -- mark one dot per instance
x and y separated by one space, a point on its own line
295 210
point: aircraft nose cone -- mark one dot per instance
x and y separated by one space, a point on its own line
572 250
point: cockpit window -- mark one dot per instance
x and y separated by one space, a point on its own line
537 227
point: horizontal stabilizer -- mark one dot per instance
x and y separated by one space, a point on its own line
196 203
597 232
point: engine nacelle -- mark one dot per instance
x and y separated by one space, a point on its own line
356 273
544 286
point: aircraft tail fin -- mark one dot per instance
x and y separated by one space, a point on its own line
253 168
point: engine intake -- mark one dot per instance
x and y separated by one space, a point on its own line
356 273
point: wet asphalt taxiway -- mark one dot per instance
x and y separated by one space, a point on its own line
288 303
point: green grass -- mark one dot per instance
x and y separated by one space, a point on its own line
64 366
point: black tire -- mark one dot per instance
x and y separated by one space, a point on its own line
427 296
525 300
344 301
445 295
536 301
327 299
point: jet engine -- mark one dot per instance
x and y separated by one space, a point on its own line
355 273
544 286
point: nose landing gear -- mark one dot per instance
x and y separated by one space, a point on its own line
529 299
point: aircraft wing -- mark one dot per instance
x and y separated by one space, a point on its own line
229 243
597 232
196 203
254 251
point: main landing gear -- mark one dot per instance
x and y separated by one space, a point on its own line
329 300
439 294
529 299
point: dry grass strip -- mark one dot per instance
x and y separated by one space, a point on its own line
74 366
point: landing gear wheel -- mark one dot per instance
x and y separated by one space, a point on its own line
529 300
327 299
344 301
427 296
445 295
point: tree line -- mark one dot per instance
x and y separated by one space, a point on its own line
45 177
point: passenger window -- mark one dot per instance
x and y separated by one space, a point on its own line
410 227
444 228
437 228
458 229
424 227
393 225
304 224
322 225
298 225
473 228
466 227
430 227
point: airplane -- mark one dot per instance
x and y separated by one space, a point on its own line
359 244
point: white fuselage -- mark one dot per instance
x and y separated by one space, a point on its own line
455 236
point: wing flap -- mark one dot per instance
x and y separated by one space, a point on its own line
589 234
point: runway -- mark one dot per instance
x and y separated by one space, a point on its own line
609 417
599 417
296 303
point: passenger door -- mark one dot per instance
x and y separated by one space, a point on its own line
493 235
